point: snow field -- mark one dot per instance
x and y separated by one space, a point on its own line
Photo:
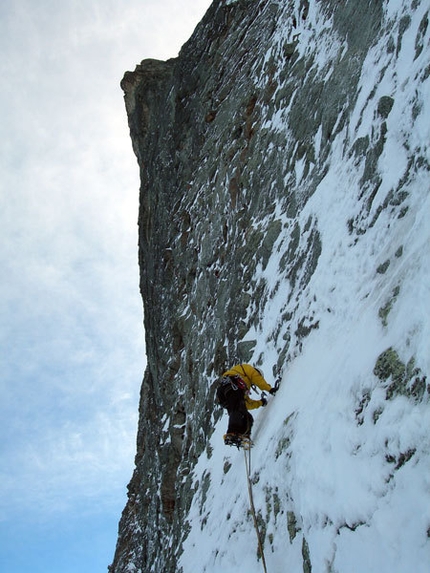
338 466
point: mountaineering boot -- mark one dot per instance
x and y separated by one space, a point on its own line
238 440
246 443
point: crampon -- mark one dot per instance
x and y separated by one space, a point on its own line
238 440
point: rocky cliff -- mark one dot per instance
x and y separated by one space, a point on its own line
283 220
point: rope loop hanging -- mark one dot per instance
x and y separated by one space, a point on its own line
247 454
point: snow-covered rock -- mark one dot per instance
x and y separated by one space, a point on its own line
284 221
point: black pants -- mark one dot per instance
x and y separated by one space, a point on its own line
240 422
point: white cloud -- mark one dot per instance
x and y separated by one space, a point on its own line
71 336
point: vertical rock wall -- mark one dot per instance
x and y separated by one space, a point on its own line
234 131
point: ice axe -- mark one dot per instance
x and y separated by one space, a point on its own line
275 387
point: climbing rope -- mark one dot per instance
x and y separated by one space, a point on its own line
247 454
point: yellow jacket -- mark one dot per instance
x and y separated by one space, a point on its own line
251 377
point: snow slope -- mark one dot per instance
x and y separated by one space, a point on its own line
341 465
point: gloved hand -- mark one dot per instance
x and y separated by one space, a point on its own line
263 401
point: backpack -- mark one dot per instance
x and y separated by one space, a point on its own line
231 393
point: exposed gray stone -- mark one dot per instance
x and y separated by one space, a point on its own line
214 176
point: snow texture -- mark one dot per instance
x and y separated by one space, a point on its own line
341 465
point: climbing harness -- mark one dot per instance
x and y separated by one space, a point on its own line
247 454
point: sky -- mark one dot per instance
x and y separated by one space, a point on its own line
71 335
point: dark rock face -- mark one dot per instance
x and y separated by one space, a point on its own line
236 130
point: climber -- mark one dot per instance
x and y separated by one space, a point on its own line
233 394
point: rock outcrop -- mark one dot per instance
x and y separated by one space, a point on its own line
265 109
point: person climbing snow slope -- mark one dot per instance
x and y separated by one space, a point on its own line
233 394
